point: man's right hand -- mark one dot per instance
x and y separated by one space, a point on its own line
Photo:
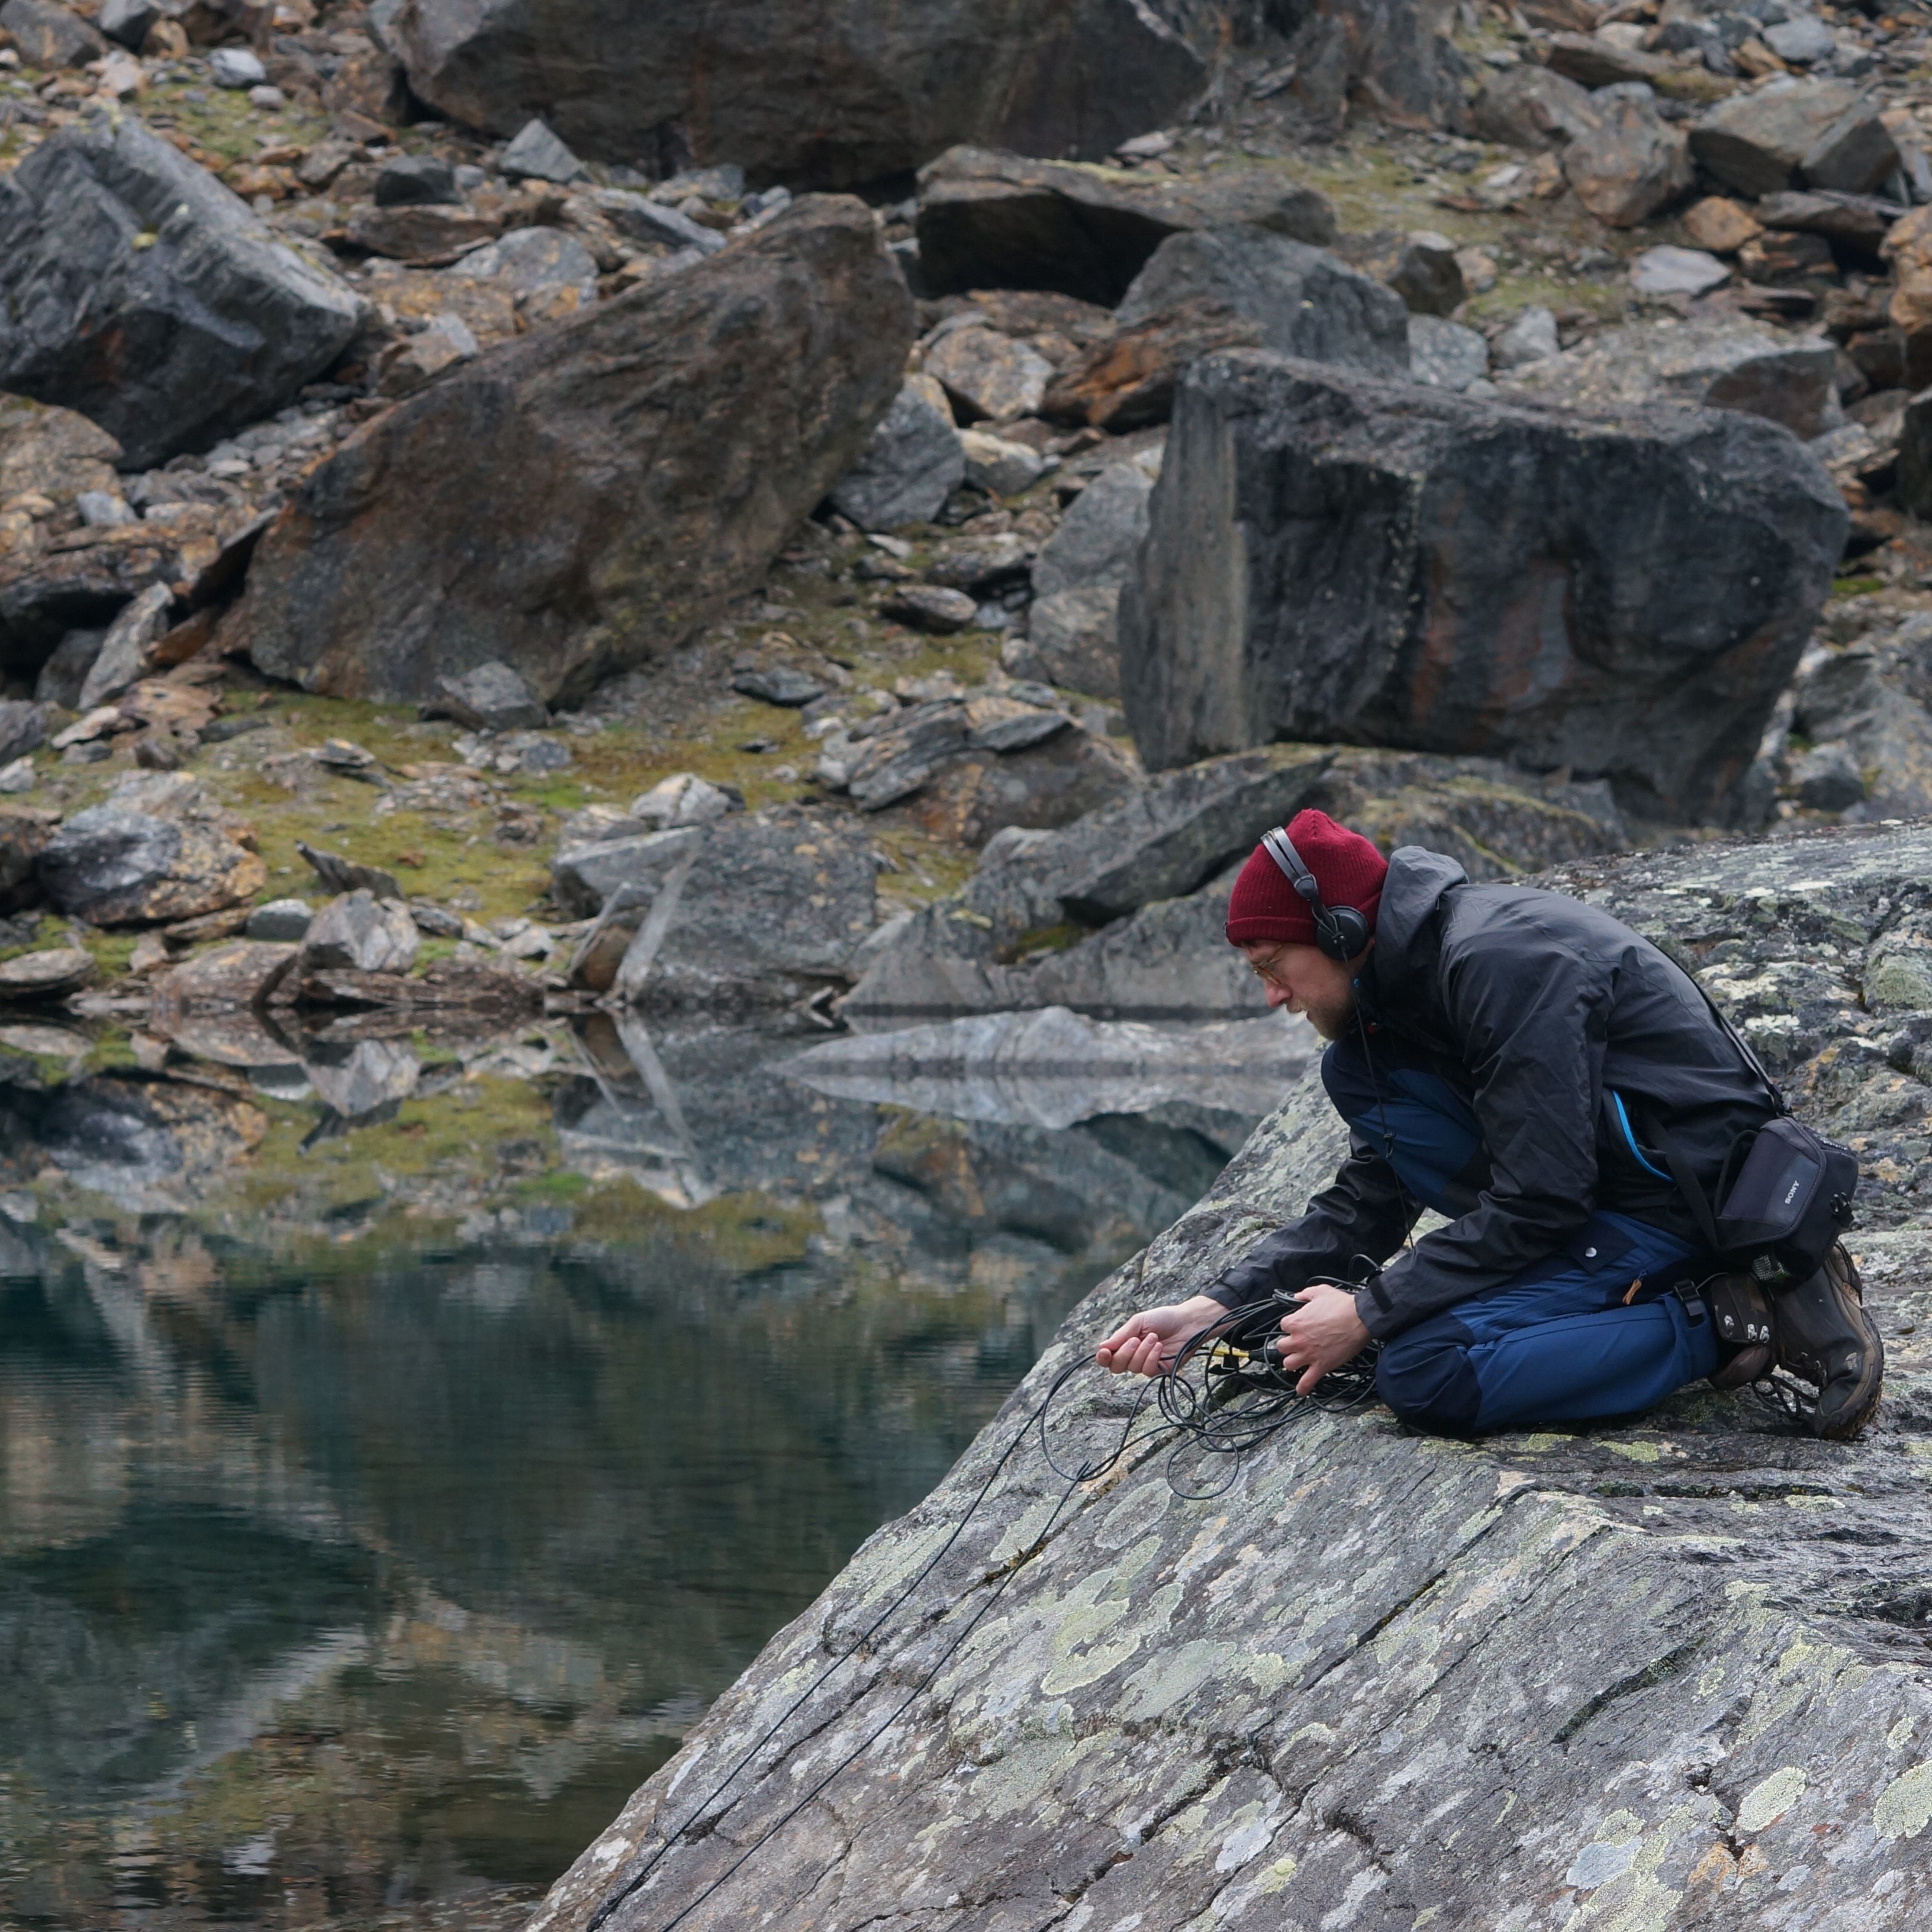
1146 1344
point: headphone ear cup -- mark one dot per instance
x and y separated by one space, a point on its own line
1345 934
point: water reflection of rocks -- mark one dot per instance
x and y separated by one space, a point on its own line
403 1437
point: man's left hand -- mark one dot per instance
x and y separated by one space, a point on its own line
1322 1333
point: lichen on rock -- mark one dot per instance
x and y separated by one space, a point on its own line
1659 1672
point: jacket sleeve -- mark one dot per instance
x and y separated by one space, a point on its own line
1531 1017
1363 1214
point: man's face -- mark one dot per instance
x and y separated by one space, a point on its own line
1304 979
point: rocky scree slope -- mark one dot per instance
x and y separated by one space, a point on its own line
1669 1674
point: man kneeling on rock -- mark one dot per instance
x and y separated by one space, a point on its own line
1527 1067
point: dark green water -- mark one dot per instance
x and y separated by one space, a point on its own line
365 1595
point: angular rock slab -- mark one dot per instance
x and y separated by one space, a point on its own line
830 95
992 220
1305 301
1662 1673
1335 557
744 912
912 463
135 288
649 459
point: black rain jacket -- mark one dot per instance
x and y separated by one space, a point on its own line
1540 1009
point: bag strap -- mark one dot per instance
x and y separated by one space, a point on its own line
1694 1196
1743 1045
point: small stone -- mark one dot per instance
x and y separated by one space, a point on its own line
1803 40
1479 269
415 180
1446 354
989 375
1427 275
420 358
1719 225
235 68
1677 271
103 509
1827 778
17 777
435 922
128 21
1530 338
1632 164
339 874
285 921
911 465
46 975
538 155
492 697
360 933
126 653
1145 147
685 799
267 100
1001 468
925 607
780 685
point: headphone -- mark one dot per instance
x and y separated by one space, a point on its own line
1340 932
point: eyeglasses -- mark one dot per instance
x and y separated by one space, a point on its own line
1264 971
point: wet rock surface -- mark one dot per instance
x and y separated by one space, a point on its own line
1158 1711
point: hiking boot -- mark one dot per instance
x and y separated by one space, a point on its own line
1825 1337
1741 1316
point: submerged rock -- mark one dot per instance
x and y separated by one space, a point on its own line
1657 1662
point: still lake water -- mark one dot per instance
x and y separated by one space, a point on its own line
363 1592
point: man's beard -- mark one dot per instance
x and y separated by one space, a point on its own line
1331 1018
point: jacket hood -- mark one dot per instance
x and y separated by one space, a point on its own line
1417 879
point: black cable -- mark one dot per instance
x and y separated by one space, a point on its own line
1205 1416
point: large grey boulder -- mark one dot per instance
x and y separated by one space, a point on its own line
744 913
1658 1672
1721 365
912 463
831 96
113 865
135 288
648 461
1334 557
993 220
1802 133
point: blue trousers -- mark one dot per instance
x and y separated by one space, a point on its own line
1558 1343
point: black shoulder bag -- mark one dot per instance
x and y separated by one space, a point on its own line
1785 1194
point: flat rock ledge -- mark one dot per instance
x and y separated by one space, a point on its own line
1665 1675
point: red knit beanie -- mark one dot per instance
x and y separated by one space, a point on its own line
1264 906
